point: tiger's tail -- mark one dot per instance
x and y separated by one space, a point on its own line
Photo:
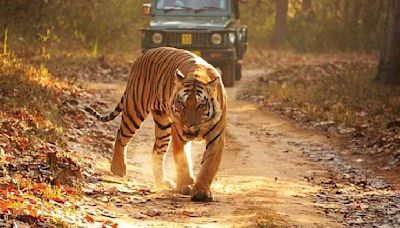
106 118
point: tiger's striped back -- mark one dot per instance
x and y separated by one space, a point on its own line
151 81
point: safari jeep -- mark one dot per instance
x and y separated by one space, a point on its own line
208 28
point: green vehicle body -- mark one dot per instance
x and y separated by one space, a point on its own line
193 30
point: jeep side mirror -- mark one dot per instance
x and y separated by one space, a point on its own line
146 9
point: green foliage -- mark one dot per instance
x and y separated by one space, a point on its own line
259 17
342 25
105 25
326 26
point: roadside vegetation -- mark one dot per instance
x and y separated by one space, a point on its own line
41 121
101 27
41 117
27 87
35 169
333 93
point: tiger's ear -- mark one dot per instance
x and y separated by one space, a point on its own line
179 75
214 82
214 76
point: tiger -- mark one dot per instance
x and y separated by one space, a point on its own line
186 97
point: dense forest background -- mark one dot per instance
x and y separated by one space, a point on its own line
113 25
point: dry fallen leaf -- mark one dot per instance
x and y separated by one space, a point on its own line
89 219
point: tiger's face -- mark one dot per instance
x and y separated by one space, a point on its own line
194 105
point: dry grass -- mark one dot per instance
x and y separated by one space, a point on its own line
268 219
340 92
31 91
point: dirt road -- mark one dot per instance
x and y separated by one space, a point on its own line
261 180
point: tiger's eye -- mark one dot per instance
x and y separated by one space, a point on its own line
179 107
201 106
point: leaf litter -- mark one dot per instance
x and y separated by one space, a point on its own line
334 94
41 181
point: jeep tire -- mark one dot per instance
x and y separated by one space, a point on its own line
238 73
228 73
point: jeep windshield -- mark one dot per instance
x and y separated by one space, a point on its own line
194 5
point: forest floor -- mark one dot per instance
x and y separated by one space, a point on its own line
274 172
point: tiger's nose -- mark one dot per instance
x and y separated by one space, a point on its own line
189 128
190 132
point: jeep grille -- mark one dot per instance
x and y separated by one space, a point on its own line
199 39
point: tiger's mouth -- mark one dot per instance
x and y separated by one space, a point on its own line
190 134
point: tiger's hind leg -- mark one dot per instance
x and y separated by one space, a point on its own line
184 180
161 144
127 130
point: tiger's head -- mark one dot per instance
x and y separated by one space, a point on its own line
194 102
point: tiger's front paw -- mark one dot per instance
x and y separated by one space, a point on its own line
183 189
184 185
118 168
118 164
165 184
201 194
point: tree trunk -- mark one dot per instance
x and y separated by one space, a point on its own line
306 5
337 9
389 63
369 20
280 23
346 12
356 13
307 10
372 19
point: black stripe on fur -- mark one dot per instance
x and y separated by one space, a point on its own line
105 118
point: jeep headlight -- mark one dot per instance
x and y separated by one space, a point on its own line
216 38
232 37
157 38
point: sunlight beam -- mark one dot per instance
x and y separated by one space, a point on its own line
188 152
